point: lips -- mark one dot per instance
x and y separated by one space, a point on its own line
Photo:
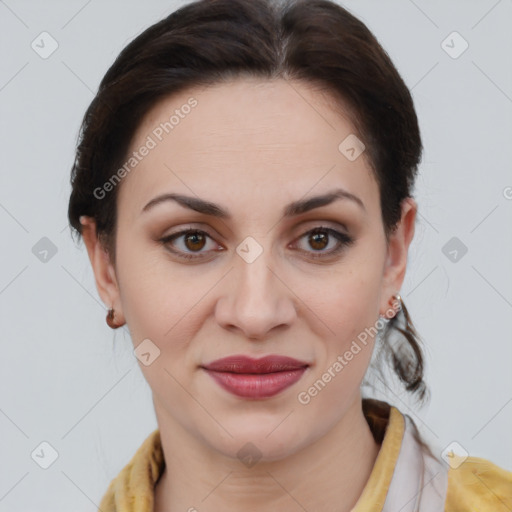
246 377
248 365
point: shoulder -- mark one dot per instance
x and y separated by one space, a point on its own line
133 488
478 485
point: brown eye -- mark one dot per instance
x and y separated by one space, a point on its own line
318 240
321 237
192 241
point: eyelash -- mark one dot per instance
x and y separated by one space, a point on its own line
343 239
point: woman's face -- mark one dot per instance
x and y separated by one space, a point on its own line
256 281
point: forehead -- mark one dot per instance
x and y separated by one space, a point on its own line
275 138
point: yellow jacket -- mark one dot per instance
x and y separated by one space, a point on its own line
404 478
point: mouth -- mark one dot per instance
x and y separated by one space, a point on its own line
246 377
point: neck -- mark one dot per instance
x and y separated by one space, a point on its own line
327 475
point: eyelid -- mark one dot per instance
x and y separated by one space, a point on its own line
325 222
300 230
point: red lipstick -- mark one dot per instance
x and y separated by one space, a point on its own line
256 378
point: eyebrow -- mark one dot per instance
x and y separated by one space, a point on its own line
292 209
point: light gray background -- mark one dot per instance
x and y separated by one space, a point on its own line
67 379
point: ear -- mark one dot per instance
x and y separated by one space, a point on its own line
396 260
104 272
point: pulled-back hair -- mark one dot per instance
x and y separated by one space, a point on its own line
208 42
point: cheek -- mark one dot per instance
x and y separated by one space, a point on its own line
345 301
149 293
346 349
346 307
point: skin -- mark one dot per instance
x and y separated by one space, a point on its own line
253 146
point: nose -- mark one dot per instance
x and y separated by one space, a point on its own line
256 299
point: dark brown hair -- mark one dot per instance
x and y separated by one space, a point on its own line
207 42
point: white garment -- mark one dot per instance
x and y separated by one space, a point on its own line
419 482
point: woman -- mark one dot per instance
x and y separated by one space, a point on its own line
243 185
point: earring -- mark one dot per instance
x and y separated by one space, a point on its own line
110 319
398 299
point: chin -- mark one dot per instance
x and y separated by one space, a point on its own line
254 443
